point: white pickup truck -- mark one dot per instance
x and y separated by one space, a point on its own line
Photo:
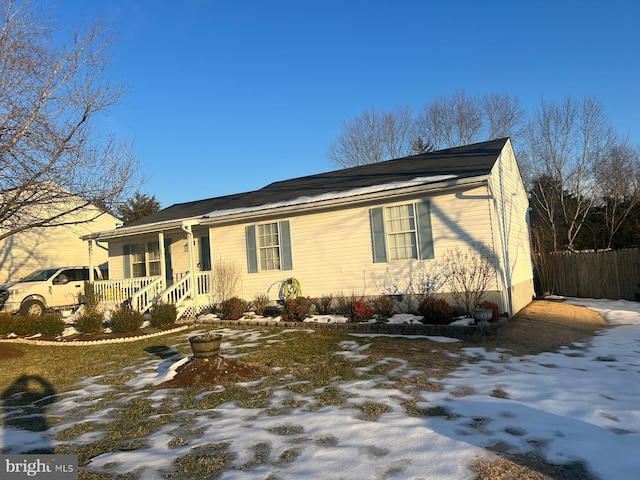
51 288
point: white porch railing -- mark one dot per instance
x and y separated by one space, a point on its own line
141 293
178 292
143 299
116 292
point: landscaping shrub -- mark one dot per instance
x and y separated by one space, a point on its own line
17 325
163 314
49 325
225 282
232 309
324 304
435 310
126 319
90 320
469 274
493 307
6 323
360 311
260 303
384 306
344 302
295 309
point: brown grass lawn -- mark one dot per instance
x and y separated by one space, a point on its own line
542 326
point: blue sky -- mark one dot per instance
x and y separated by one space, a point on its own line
228 96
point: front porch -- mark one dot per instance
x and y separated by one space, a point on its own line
190 297
172 265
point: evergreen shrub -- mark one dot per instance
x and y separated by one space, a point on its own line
163 314
126 319
90 320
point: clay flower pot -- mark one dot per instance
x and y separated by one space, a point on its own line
205 346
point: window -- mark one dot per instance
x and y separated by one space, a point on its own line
402 232
269 247
142 259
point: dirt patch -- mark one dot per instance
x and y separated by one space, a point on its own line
544 326
7 351
199 372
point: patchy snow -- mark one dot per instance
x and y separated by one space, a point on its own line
577 404
398 318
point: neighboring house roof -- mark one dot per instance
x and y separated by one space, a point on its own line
460 163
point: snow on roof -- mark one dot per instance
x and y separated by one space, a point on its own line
333 195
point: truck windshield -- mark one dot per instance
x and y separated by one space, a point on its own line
39 275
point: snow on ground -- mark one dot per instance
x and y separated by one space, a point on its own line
579 404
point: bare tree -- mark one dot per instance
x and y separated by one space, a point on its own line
504 116
373 137
54 160
567 144
451 122
618 186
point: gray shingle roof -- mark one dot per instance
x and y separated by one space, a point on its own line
464 162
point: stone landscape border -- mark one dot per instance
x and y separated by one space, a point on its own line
461 332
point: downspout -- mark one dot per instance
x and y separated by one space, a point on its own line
192 264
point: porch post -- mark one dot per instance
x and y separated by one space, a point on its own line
163 264
91 274
192 265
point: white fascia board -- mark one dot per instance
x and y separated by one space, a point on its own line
141 229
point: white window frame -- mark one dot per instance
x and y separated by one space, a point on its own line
144 260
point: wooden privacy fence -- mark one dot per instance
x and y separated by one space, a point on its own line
613 274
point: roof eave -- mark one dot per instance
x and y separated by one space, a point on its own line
140 229
264 211
340 202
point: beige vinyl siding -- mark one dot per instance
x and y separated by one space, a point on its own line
512 228
332 251
179 253
38 248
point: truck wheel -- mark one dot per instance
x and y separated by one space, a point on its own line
32 307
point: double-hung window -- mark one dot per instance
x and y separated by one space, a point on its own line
141 259
401 232
268 247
